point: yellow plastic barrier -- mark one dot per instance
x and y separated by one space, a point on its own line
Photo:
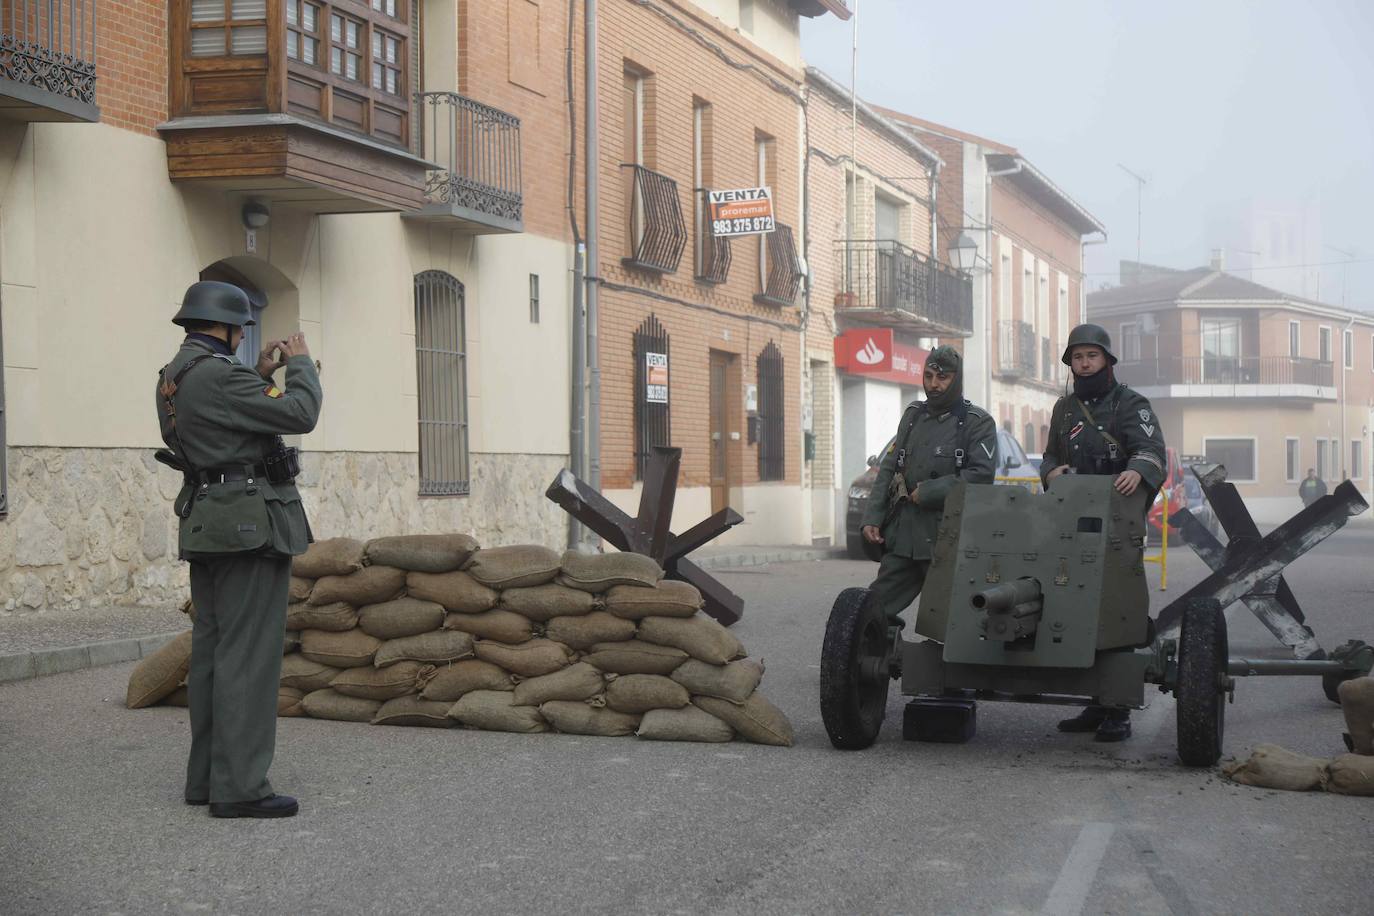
1033 481
1162 558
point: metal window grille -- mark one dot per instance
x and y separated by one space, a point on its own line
441 364
653 420
771 454
784 268
658 233
713 252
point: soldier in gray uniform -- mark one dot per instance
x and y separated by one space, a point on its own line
1103 428
241 521
940 441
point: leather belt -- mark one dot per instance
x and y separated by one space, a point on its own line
227 475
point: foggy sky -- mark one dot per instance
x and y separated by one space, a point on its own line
1219 103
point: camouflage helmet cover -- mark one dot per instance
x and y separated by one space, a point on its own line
211 300
1089 335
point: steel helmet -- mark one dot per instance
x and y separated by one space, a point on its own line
1089 334
211 300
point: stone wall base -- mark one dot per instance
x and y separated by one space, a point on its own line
92 527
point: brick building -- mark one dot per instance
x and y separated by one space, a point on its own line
367 169
1028 287
695 97
1261 381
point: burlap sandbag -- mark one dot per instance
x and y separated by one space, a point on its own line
699 636
669 598
1274 767
1351 774
516 566
304 674
545 602
733 682
755 719
639 693
437 647
1357 702
495 710
529 659
502 626
586 630
412 710
349 649
456 591
453 681
330 704
686 724
597 572
400 617
575 718
335 616
369 585
179 697
383 683
160 673
331 557
635 656
299 589
431 553
290 702
291 642
576 682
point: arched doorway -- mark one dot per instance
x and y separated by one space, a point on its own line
271 296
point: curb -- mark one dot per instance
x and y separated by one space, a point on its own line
20 666
763 557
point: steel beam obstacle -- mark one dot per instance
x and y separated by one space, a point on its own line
648 532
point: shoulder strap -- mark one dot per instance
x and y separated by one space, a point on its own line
168 390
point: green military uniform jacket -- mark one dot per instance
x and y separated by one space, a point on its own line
1083 443
931 461
228 417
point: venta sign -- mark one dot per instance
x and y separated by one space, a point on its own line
656 378
741 211
875 353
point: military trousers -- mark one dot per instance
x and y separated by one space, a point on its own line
236 650
899 581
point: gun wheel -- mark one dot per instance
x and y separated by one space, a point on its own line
854 670
1201 688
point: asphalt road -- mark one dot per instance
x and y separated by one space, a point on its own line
1020 820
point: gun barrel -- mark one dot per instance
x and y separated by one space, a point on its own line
1005 597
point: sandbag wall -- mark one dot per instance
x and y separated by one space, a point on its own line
430 630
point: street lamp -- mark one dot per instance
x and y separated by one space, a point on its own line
964 252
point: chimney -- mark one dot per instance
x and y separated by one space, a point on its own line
1218 259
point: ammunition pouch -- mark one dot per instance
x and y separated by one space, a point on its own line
282 464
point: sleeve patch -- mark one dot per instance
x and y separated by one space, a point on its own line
272 391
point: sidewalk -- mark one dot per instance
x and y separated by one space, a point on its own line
53 642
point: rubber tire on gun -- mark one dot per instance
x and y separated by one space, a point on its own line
854 670
1202 657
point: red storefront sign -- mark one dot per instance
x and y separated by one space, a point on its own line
876 354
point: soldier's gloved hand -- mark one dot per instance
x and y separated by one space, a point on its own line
294 346
1062 469
266 364
1126 482
872 534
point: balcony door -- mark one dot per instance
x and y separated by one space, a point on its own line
1221 350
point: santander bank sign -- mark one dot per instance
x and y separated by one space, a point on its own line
874 353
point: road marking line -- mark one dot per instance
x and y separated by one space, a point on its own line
1076 878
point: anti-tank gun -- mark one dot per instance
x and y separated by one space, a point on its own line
1043 598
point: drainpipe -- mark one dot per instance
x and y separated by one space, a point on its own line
593 260
577 408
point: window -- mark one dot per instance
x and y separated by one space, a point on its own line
534 298
633 100
746 15
1294 339
1238 455
1292 458
228 27
1028 435
386 61
770 420
441 366
763 154
346 42
303 31
1221 350
653 422
1004 303
1348 349
1130 342
1324 344
1356 459
1321 459
1027 291
712 254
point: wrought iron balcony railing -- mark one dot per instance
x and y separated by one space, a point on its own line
47 60
1228 371
479 149
1015 349
784 268
888 277
658 233
713 253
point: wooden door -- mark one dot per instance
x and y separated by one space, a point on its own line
720 434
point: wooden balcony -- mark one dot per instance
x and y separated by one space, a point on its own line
300 102
47 60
